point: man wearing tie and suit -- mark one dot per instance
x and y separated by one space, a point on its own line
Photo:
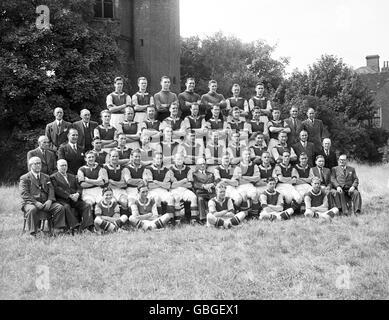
295 126
38 199
85 128
48 157
72 153
57 130
345 180
315 129
68 193
304 146
328 154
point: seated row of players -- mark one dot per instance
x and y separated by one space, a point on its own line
246 184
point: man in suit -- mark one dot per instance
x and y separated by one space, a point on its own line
204 186
85 128
46 155
38 199
315 129
57 130
328 154
71 152
68 194
345 180
295 126
304 146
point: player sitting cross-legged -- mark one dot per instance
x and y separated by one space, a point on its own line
221 210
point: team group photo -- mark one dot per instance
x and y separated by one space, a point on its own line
146 155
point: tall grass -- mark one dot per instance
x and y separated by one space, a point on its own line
296 259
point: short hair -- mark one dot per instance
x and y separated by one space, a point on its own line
61 160
157 153
304 154
200 158
190 79
235 109
41 138
84 110
96 138
257 108
143 184
113 150
259 84
258 134
140 79
303 131
104 112
276 109
119 135
320 156
137 150
211 81
71 130
342 154
315 179
220 185
90 152
265 152
296 107
165 77
235 85
270 179
311 109
235 132
286 151
118 79
33 159
151 106
106 189
55 110
326 140
126 109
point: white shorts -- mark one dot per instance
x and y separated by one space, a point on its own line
92 195
184 194
289 192
247 190
161 195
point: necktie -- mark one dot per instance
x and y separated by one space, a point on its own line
74 148
344 171
321 174
86 125
294 124
66 178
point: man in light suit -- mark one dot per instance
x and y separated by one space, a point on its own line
305 146
68 193
57 130
46 155
345 180
328 154
72 153
38 199
85 128
315 129
295 126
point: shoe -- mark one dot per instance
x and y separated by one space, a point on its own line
272 217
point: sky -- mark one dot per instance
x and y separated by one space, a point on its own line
303 30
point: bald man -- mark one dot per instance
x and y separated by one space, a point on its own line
46 155
57 130
85 128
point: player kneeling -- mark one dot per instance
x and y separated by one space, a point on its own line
272 203
105 211
144 212
221 210
316 202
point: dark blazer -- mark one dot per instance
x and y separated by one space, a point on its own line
63 189
315 132
199 179
32 190
55 136
338 178
75 159
326 173
330 160
49 161
294 135
309 150
81 131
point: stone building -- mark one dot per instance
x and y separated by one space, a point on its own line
148 32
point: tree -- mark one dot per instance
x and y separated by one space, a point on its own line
341 100
228 60
69 65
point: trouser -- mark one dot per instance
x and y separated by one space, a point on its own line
203 198
76 212
56 212
347 199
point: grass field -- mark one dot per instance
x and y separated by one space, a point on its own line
296 259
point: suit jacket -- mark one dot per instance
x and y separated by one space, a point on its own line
55 136
338 178
330 160
293 136
315 132
199 179
75 159
49 161
81 131
32 190
309 150
63 189
326 173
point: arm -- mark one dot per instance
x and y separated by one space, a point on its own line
255 178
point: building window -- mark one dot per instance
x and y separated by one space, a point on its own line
377 120
104 9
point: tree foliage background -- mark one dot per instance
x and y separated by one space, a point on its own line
341 99
71 65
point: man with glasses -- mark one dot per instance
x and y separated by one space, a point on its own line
38 199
